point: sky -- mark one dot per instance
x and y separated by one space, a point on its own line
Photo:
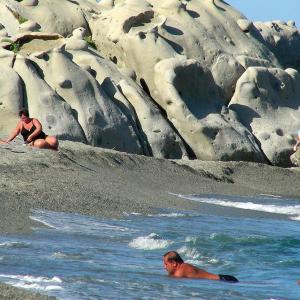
268 10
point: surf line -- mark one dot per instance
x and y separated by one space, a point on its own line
293 211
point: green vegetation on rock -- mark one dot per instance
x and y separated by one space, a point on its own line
22 19
90 41
15 47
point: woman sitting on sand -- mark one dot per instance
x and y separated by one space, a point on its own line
31 130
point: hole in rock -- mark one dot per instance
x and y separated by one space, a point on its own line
114 60
145 86
279 131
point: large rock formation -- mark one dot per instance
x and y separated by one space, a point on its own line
295 158
283 38
76 95
161 80
267 101
194 107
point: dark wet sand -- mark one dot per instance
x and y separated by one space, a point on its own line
11 293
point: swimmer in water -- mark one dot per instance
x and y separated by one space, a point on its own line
176 267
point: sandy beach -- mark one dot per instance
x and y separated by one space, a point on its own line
93 181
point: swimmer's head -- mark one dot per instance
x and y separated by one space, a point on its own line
171 261
173 256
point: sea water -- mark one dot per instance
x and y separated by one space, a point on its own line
80 257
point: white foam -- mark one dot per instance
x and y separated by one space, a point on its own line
32 279
292 210
72 256
194 257
169 215
150 242
12 244
296 218
191 239
35 286
190 253
213 261
40 220
74 222
32 282
131 214
270 195
59 255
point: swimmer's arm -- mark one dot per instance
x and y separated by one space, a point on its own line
37 131
189 271
13 135
201 274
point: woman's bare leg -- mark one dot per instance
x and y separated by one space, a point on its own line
40 143
50 142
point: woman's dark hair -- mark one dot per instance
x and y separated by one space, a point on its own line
24 111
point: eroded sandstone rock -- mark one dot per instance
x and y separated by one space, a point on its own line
102 121
45 104
150 123
267 102
162 76
284 40
295 158
197 111
53 15
11 90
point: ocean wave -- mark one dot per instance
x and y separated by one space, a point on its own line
127 214
295 218
35 286
243 240
189 252
14 245
71 256
292 210
74 222
169 215
193 256
191 239
150 242
221 237
213 261
270 196
32 282
32 279
44 222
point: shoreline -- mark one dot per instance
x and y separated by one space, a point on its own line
100 182
8 292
